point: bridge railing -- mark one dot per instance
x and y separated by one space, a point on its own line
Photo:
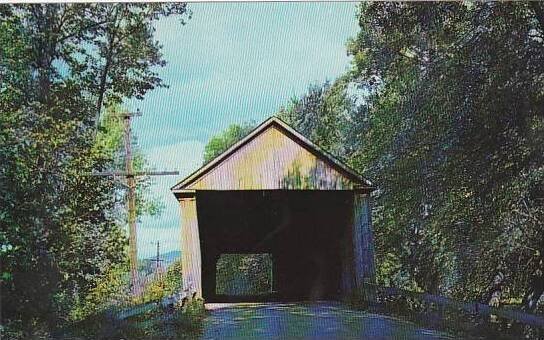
474 308
379 295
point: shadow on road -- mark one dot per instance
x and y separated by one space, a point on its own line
318 320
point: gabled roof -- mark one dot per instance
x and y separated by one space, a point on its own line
358 181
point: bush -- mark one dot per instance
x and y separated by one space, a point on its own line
163 285
112 289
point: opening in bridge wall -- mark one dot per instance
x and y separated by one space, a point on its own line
244 275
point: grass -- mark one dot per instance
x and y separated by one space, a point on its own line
157 323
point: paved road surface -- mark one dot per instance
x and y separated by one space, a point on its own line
322 320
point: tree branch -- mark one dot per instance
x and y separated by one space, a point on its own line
68 36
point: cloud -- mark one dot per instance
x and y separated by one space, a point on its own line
235 62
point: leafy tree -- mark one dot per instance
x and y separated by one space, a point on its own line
165 284
443 110
322 115
454 139
244 274
59 226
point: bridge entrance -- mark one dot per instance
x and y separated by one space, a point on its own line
303 231
277 193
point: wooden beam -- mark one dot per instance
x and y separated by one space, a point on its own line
190 244
361 253
134 173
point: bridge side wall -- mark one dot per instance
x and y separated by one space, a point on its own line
190 245
358 259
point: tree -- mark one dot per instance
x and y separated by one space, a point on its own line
322 114
456 109
59 226
108 49
443 110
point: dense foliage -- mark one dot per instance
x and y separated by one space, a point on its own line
445 113
164 285
60 65
244 274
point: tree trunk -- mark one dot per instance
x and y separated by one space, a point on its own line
44 18
102 89
106 70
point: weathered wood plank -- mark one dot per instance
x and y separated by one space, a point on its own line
363 239
273 160
358 263
190 255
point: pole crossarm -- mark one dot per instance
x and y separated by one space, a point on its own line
130 175
128 114
135 173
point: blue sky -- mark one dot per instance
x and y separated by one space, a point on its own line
231 63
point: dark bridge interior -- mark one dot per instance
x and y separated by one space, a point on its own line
304 231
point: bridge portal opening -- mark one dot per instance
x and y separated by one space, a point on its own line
303 233
244 275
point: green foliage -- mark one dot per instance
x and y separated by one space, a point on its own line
244 274
92 318
449 113
156 323
190 318
59 227
321 115
220 143
443 110
110 291
164 285
182 323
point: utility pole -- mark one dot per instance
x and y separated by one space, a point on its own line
131 203
130 175
158 259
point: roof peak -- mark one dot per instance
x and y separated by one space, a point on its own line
290 133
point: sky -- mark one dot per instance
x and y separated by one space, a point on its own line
231 63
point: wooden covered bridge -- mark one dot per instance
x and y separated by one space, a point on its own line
275 192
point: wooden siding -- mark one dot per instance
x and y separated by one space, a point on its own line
358 266
273 160
190 244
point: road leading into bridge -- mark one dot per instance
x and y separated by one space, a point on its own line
322 320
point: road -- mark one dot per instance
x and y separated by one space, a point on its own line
322 320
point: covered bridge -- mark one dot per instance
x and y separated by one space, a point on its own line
277 193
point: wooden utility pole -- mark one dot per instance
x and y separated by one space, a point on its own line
131 204
130 175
